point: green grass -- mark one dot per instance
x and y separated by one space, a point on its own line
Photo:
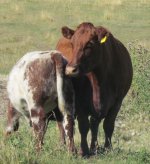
19 148
29 25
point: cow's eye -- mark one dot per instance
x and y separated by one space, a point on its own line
91 42
89 45
87 49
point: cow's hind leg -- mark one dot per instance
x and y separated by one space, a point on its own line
12 119
68 128
83 123
59 119
38 119
108 125
94 124
69 131
67 109
57 115
66 100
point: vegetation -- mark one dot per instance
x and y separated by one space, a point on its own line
29 25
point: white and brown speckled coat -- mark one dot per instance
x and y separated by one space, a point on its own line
35 86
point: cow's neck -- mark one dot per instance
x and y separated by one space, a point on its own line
96 79
96 90
104 64
98 76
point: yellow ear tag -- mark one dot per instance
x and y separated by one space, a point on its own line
103 40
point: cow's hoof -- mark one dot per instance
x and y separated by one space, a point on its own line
107 149
93 151
103 150
84 154
7 133
73 151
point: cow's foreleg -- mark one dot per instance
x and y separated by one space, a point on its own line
108 125
39 125
94 124
83 124
12 119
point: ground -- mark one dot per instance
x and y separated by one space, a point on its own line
3 95
130 140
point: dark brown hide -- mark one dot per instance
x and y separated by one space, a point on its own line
96 50
96 89
83 100
65 47
45 70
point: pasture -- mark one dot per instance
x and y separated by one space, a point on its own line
29 25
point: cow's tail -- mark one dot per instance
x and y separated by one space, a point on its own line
58 60
64 86
66 101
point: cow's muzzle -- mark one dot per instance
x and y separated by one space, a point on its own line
72 71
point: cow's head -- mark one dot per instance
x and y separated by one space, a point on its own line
85 40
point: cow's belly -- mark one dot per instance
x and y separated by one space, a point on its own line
22 99
49 105
15 88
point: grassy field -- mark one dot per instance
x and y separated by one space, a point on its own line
28 25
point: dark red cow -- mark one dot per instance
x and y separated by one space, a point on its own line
96 51
84 104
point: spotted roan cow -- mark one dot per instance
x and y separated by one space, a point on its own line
35 86
96 51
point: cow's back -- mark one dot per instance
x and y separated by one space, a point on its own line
120 67
32 80
125 63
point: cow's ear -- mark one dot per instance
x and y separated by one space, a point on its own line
102 34
67 32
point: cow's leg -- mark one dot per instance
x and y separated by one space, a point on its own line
38 119
108 125
67 109
68 124
59 119
83 123
12 119
66 100
94 124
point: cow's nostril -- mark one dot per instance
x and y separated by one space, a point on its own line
71 70
74 70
